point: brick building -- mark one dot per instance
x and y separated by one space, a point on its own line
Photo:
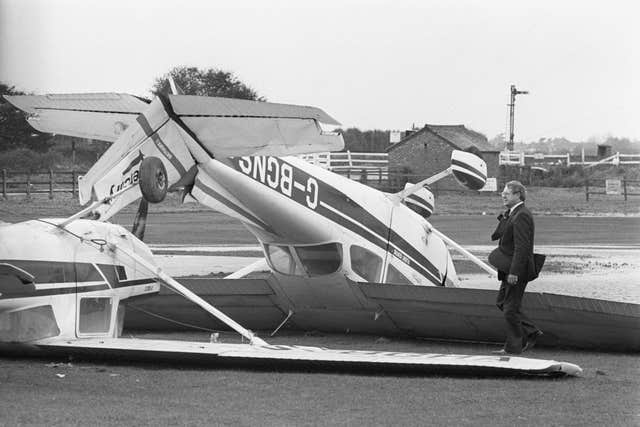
427 151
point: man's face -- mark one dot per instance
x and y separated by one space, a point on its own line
509 199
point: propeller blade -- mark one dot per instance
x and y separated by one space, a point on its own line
140 222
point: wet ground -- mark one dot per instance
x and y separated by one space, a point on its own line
586 256
595 257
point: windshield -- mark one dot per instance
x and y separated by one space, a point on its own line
319 260
365 263
282 261
395 277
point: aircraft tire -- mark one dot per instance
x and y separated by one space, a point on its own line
153 180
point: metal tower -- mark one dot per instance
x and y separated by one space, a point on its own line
512 105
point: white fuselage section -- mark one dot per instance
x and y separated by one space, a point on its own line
303 214
78 282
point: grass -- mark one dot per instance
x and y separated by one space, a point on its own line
103 394
116 394
542 201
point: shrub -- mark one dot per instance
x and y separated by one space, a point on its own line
23 159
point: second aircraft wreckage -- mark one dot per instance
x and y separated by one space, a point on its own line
321 233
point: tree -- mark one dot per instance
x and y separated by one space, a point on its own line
15 132
355 140
209 82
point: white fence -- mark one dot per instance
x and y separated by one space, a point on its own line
520 159
348 160
372 168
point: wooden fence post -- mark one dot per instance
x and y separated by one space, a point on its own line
4 183
50 184
73 183
28 184
586 188
624 187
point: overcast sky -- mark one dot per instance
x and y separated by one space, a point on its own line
370 64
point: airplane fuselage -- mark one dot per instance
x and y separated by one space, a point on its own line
78 284
304 215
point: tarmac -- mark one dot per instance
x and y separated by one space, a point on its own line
609 272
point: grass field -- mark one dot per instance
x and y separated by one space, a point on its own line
150 394
541 200
54 392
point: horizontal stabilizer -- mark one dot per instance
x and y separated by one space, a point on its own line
102 116
205 106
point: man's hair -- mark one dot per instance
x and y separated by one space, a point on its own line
517 187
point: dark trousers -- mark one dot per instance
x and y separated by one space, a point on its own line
518 325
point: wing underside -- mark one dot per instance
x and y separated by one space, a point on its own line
225 127
303 357
102 116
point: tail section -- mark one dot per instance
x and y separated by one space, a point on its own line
162 142
152 135
102 116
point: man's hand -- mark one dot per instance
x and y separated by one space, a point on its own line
512 279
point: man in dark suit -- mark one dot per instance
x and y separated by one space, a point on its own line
515 231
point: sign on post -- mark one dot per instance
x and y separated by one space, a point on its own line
490 185
613 187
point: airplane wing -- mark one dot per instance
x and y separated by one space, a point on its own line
287 357
102 116
237 127
226 127
393 310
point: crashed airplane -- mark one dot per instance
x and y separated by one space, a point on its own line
322 234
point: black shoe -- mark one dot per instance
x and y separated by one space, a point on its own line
531 340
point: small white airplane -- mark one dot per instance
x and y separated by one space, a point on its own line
235 157
63 280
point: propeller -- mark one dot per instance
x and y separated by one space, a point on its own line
140 221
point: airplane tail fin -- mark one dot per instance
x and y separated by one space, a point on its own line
175 89
179 131
152 140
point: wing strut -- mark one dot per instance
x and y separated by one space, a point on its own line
483 265
182 290
164 277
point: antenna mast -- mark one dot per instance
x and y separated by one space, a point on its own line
512 106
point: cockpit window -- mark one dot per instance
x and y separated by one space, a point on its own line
365 263
319 260
282 261
395 277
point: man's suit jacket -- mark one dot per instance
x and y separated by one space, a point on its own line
516 241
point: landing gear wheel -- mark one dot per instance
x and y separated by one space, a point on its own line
153 180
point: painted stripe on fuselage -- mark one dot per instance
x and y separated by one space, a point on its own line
54 281
168 108
55 291
228 203
337 207
162 147
396 241
363 223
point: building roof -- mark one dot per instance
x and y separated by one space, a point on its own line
458 136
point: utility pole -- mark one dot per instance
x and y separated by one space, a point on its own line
512 106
